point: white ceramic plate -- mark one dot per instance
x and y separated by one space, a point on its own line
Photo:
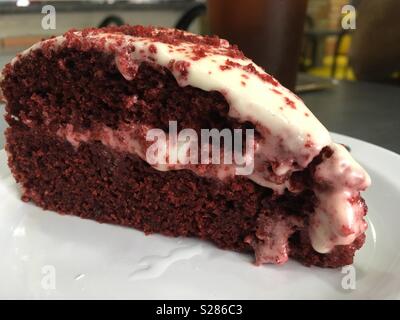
45 255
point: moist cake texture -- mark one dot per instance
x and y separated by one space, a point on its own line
80 106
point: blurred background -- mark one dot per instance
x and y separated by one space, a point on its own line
310 46
325 48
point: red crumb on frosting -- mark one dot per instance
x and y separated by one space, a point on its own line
204 44
232 64
263 76
346 231
224 67
290 103
276 91
250 68
308 144
152 49
243 83
199 52
181 66
306 114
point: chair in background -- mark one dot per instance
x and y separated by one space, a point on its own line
111 20
341 54
189 16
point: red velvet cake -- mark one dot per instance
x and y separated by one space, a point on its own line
85 109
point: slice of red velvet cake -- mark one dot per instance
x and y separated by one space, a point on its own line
96 120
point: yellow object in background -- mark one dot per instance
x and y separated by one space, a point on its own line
343 69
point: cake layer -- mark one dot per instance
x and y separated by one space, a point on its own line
96 182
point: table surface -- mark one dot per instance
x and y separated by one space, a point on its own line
367 111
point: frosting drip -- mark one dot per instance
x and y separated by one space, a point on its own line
339 217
